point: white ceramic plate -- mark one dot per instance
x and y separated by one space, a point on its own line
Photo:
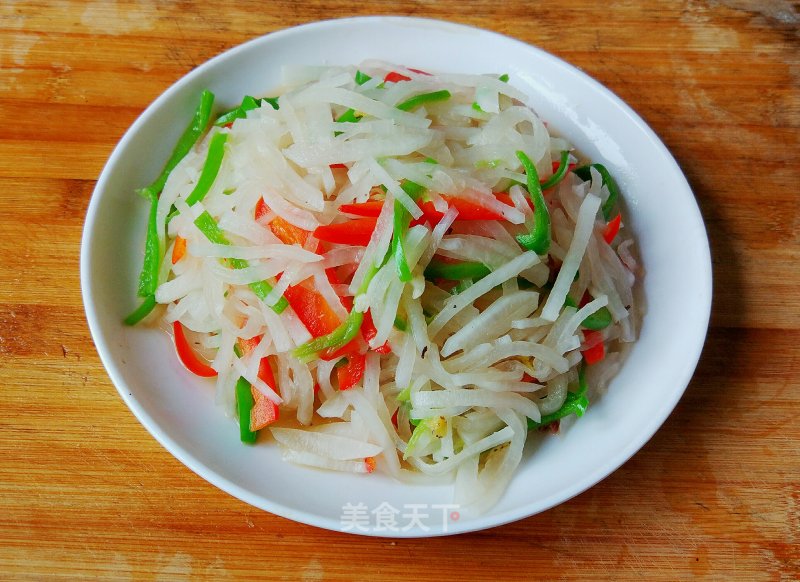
178 409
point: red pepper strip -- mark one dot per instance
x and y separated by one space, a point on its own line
394 77
466 210
612 228
261 208
598 351
333 279
351 373
287 232
248 345
470 211
338 167
192 362
353 346
264 411
368 331
370 208
312 310
570 167
394 417
355 232
179 250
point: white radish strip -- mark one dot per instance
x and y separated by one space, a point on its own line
500 465
323 285
467 491
438 233
416 321
297 331
325 445
260 385
291 252
405 366
476 248
377 428
387 311
454 305
372 376
342 256
250 274
572 324
312 460
299 217
572 261
275 328
475 397
491 441
290 275
494 321
316 155
353 100
178 287
378 244
626 255
304 385
324 369
393 186
421 413
556 395
486 355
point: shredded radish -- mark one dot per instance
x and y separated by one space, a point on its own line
362 259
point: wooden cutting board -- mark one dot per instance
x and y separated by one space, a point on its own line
86 492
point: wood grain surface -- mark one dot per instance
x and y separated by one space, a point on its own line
86 492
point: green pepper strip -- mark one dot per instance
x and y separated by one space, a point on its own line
423 98
334 340
343 334
248 104
350 116
598 320
456 271
190 136
613 190
148 278
216 151
208 226
576 403
402 219
420 428
142 311
362 78
563 166
244 405
538 240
